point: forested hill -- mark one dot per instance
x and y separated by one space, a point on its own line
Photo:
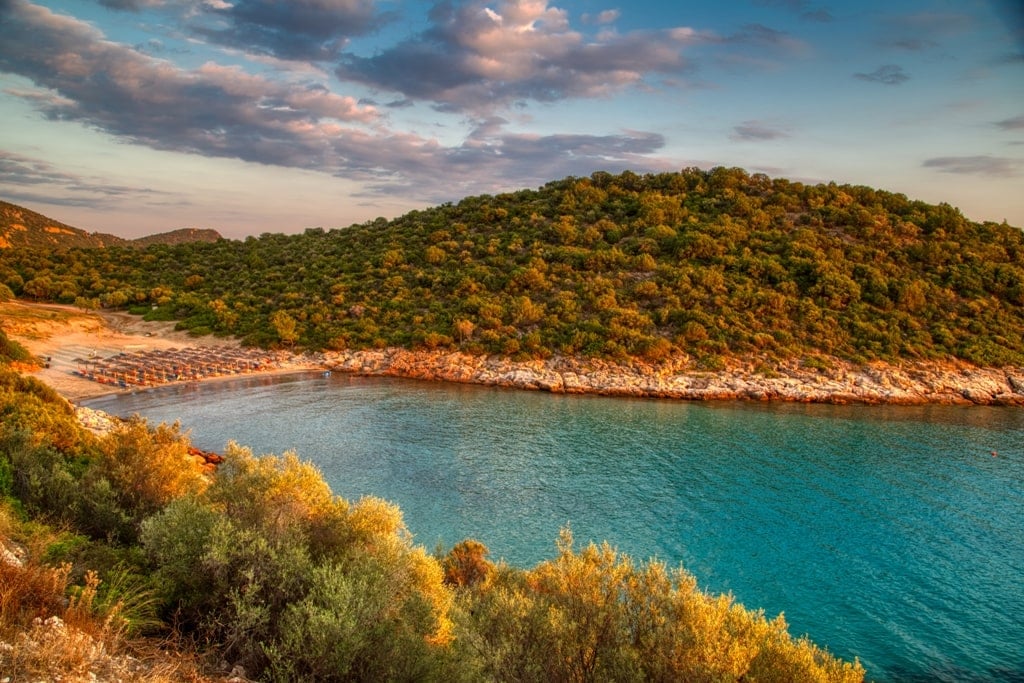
713 264
22 228
180 236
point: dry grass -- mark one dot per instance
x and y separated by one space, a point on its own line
30 592
37 322
45 635
54 650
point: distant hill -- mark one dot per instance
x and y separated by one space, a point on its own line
26 229
181 236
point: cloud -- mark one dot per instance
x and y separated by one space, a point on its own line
887 74
983 165
923 30
608 16
765 36
755 131
820 15
478 57
314 30
801 8
1015 123
909 44
493 160
130 5
221 111
756 46
30 179
212 110
1012 14
1010 59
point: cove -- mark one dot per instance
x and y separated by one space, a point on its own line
891 534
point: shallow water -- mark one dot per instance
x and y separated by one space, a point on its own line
891 534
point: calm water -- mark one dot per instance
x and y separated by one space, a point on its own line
889 534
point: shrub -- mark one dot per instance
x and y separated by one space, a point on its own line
294 583
148 468
466 564
594 615
11 350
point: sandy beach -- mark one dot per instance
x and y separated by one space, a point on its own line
65 334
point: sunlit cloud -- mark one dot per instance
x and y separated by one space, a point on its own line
315 30
608 16
213 110
478 56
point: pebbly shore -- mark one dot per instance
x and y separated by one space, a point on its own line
832 381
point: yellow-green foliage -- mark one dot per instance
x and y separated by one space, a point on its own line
278 496
593 615
266 567
51 630
11 350
28 405
294 581
149 467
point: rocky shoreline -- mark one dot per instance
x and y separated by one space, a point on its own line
832 381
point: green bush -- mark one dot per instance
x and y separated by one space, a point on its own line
263 560
10 350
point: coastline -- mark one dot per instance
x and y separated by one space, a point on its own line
834 381
63 333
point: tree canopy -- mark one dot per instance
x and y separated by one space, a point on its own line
710 264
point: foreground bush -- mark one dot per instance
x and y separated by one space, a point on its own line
593 615
259 565
296 584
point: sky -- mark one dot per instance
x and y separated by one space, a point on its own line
135 117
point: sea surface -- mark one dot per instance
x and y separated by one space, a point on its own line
891 534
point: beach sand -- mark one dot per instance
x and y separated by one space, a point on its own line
65 333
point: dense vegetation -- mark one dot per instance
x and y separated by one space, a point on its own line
710 264
123 557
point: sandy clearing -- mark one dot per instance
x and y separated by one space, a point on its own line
65 333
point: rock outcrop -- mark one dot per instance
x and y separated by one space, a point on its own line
831 381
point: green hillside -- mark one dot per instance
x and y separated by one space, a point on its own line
711 264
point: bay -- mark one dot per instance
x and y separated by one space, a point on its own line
892 534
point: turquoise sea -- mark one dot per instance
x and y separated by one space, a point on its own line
892 534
